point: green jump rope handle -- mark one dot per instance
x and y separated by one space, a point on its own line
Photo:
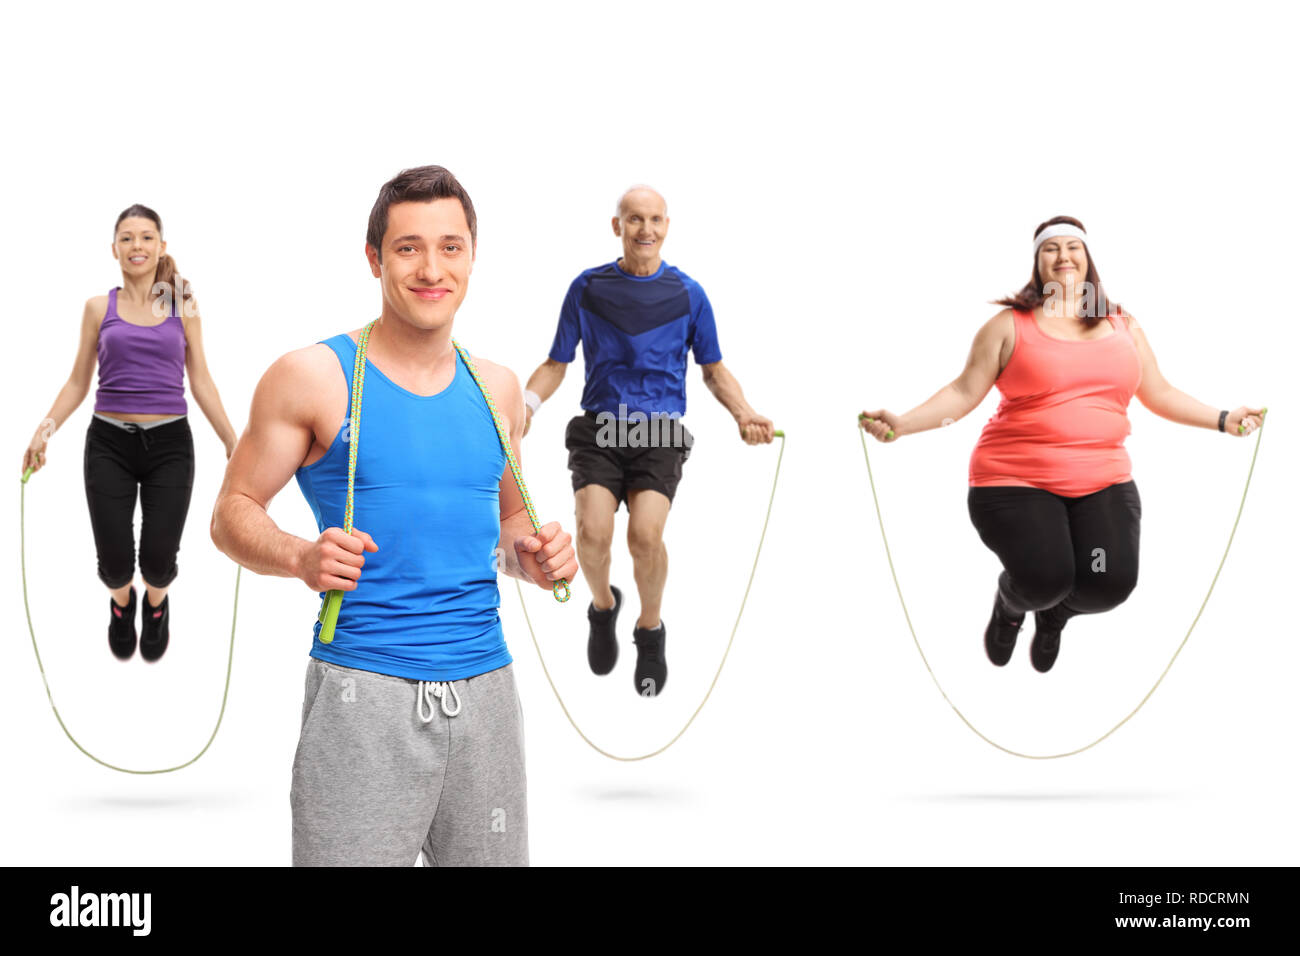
1240 430
329 615
778 434
864 418
27 474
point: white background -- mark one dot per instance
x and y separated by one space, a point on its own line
852 186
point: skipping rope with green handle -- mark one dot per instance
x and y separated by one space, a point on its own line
230 657
915 640
329 612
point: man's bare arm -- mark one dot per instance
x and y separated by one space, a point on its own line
547 378
515 522
554 557
543 383
275 443
754 428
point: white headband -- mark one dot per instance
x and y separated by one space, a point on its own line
1060 229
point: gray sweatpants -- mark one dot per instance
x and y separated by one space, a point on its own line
389 768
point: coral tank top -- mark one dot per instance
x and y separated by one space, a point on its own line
1063 417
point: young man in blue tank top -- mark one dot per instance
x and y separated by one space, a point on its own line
636 318
411 739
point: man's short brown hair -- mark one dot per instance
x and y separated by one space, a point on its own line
421 184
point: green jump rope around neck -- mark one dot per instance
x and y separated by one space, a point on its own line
915 640
333 600
329 610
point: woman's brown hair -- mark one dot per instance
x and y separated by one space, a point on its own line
1033 294
166 273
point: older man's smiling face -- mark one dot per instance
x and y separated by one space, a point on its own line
642 224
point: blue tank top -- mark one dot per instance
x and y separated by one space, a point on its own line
426 489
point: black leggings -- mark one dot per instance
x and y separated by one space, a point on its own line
160 461
1066 556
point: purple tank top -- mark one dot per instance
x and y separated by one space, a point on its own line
141 367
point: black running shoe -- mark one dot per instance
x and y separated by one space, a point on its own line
1000 635
121 628
602 641
651 664
1047 642
154 631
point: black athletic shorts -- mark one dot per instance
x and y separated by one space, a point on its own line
625 456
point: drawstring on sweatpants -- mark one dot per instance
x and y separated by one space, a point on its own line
142 432
440 689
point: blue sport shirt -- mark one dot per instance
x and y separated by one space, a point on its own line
635 333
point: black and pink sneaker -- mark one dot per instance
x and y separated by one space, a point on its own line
121 628
154 631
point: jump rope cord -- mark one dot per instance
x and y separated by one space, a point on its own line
230 658
1070 753
329 609
654 753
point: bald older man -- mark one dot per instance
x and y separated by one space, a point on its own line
636 318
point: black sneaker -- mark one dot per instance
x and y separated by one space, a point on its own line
1000 636
651 665
602 641
154 632
1047 641
121 628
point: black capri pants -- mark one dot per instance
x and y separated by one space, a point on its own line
1070 555
160 462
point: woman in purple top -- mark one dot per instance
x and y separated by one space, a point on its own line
144 335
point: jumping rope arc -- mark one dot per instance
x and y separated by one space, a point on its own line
329 607
1070 753
735 627
230 658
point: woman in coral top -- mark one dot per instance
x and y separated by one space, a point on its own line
1051 492
145 335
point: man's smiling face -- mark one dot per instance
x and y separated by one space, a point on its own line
426 261
642 224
